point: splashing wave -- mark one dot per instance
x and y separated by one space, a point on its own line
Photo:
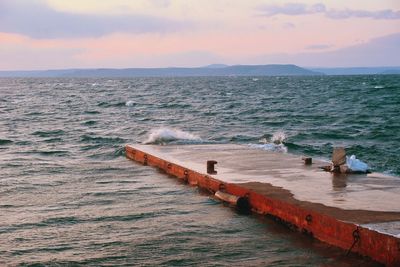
130 103
278 137
168 135
276 143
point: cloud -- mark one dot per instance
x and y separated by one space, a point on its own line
296 9
289 25
19 53
161 3
292 9
382 51
37 20
348 13
318 47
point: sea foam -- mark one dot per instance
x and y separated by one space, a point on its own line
278 137
167 135
130 103
276 143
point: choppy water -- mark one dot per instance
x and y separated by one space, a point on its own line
68 196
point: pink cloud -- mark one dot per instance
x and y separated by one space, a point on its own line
296 9
37 20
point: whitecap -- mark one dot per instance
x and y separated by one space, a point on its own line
278 137
130 103
167 135
275 144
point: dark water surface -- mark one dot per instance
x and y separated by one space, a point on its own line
69 197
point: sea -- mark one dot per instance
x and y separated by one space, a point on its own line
70 197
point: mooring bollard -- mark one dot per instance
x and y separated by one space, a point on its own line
210 167
307 161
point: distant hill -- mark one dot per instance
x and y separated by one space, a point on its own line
211 70
358 71
393 71
216 66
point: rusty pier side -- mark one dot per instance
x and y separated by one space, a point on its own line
349 236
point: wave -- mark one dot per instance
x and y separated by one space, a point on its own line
119 152
53 140
130 103
91 112
101 140
89 122
168 135
48 152
275 143
278 137
49 133
108 104
53 152
5 142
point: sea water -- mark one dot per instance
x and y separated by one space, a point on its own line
69 197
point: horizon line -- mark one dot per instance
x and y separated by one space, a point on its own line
196 67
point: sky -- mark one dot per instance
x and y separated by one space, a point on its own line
59 34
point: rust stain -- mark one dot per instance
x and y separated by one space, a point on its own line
348 236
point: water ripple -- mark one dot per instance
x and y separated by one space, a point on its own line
68 196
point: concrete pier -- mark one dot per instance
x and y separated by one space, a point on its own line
357 212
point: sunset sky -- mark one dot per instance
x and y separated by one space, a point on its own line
53 34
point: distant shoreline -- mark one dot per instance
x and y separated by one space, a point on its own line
211 70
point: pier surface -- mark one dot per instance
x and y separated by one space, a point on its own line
361 207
